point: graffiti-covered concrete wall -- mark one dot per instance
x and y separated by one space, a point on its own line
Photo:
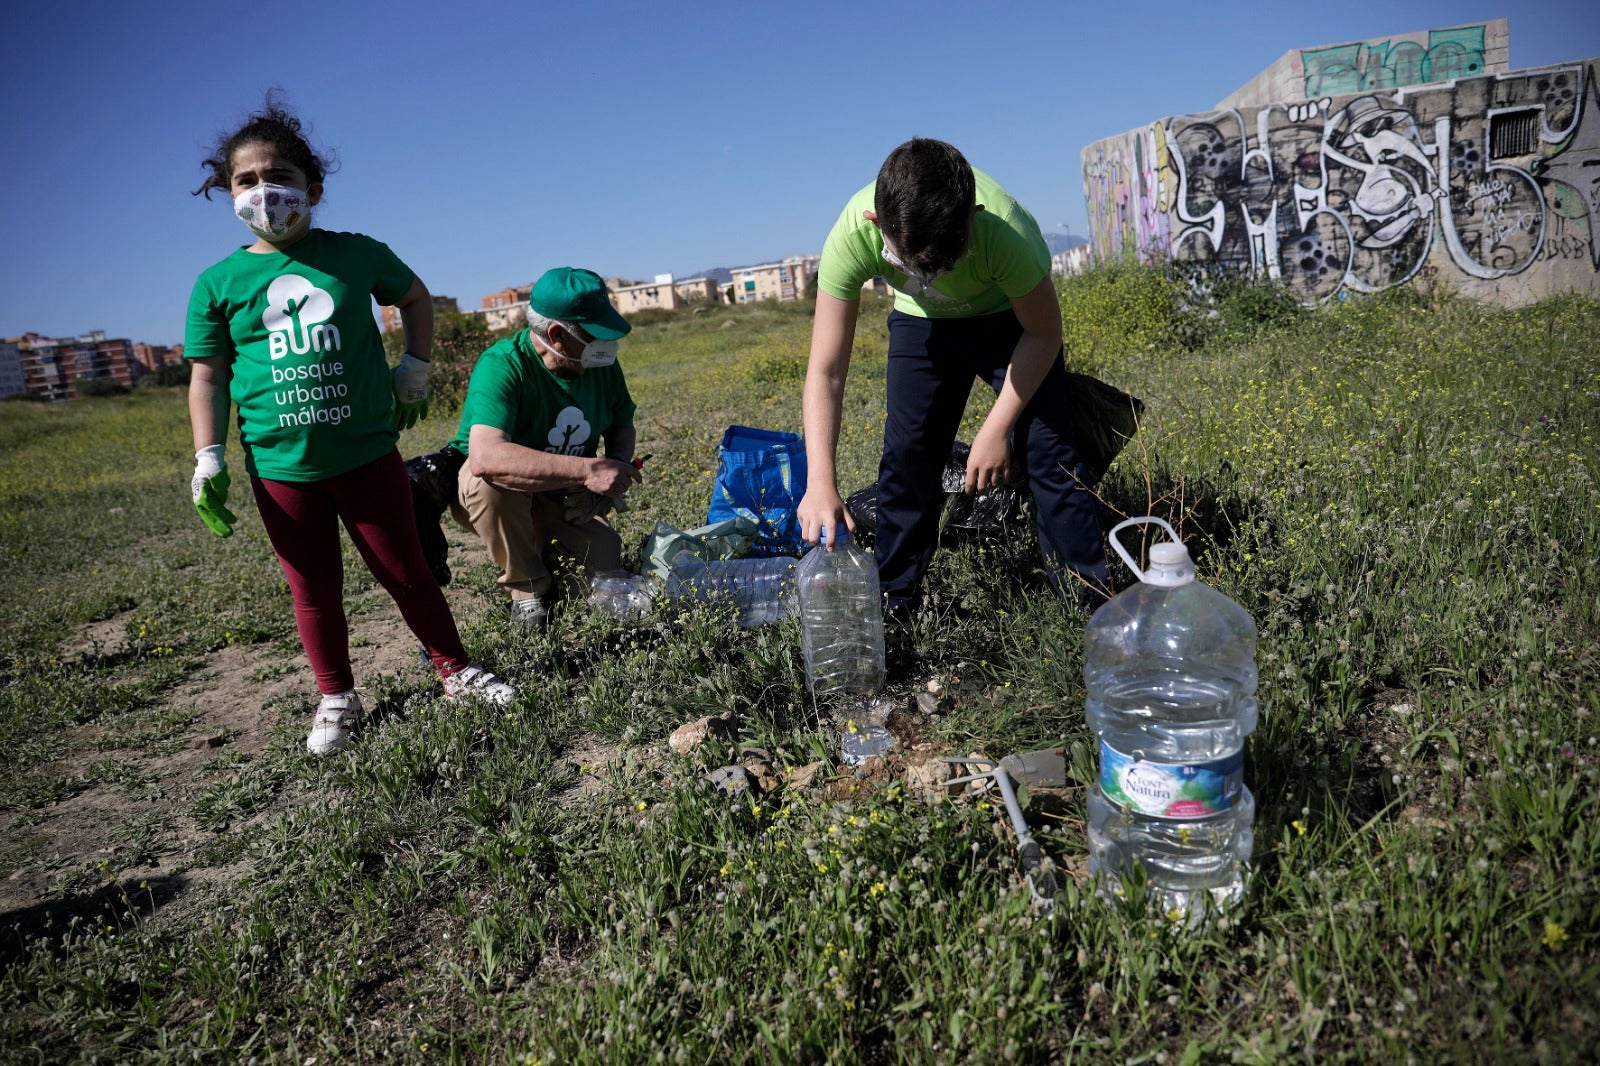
1488 184
1378 65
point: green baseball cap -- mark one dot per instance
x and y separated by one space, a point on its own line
572 294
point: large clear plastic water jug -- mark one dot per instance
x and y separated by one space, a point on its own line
841 620
1171 675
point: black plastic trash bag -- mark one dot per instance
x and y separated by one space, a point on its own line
1105 417
433 491
982 515
863 508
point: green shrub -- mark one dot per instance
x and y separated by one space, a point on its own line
168 375
99 387
1114 308
1248 305
1127 306
458 340
651 316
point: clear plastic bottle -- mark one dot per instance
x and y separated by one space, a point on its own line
761 590
621 594
1171 675
841 620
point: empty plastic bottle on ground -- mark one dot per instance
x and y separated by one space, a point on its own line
621 594
761 590
1170 669
841 620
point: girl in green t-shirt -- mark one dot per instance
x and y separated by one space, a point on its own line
283 328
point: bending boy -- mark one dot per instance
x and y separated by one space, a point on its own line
973 299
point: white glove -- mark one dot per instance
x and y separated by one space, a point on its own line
410 391
210 488
208 463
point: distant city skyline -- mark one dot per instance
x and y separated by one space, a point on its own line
487 142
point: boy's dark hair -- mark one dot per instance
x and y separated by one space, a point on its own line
924 202
276 125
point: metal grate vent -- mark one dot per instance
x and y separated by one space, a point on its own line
1513 133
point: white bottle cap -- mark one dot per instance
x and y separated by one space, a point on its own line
1170 565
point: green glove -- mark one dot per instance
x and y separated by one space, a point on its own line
410 391
210 488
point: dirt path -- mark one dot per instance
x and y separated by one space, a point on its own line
130 817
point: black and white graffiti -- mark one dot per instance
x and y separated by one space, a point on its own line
1483 177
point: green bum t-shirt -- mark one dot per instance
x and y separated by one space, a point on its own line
313 386
513 391
1007 258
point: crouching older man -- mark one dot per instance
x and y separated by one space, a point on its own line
537 407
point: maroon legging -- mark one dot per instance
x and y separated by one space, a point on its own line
374 501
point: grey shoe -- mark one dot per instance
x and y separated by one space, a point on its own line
337 717
531 611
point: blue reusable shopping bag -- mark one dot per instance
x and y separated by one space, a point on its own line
761 475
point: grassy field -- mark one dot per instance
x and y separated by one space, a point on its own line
1401 490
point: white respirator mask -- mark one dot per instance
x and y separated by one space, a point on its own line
916 283
596 353
272 211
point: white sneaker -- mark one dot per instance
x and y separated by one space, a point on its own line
473 682
531 611
337 717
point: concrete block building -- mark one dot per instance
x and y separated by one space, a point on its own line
506 308
665 292
11 380
785 280
153 356
391 315
52 366
1418 159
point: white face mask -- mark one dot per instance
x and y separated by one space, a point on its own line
916 283
596 353
272 211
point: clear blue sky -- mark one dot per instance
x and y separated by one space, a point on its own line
486 142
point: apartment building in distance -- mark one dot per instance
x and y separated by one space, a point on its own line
155 356
52 366
391 315
784 280
507 308
664 292
11 379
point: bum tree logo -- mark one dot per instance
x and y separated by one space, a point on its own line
568 435
297 318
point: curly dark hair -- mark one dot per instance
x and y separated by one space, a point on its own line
924 200
276 125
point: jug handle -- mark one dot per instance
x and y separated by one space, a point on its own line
1143 520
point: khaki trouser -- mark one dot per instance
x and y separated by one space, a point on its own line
519 528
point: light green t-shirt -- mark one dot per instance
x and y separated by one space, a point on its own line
1007 258
313 386
513 391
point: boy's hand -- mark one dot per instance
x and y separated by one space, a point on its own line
989 461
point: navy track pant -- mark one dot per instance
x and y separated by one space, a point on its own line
932 364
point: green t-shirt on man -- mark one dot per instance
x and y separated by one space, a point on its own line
310 378
1007 258
513 391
